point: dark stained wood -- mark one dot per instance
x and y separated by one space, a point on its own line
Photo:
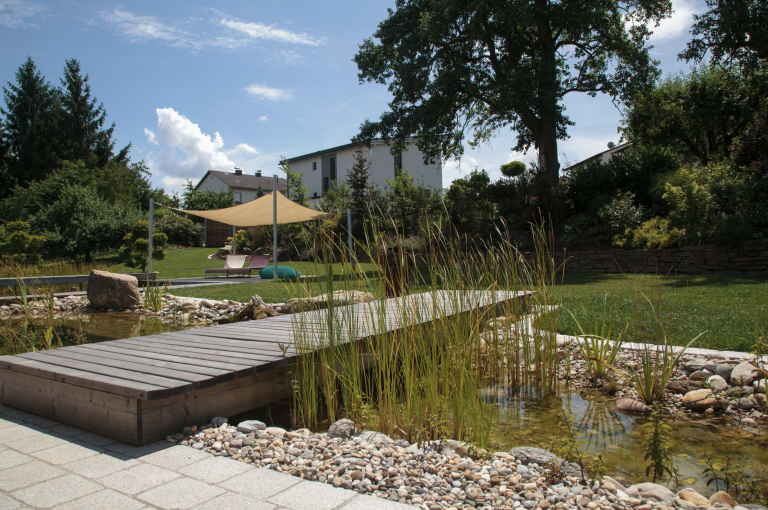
247 370
239 356
245 346
198 381
176 386
85 379
106 413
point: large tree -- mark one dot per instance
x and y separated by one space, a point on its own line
82 124
467 68
32 114
731 31
698 114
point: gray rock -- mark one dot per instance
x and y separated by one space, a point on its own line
342 428
746 403
198 446
249 426
694 365
650 491
717 383
683 387
724 370
527 455
699 375
111 290
744 373
218 421
402 443
375 438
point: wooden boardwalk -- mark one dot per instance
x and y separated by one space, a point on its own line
141 389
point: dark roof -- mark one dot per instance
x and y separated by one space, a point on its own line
324 151
245 181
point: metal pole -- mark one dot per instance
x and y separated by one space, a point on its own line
349 238
234 239
151 220
274 225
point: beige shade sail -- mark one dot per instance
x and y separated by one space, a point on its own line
259 212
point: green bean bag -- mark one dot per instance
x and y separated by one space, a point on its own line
268 273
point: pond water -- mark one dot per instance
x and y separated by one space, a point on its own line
18 334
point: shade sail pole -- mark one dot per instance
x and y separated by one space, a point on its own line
151 220
349 238
274 226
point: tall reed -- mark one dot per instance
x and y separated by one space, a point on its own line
424 356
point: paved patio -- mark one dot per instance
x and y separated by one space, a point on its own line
46 464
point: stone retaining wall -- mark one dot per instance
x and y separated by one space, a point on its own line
749 259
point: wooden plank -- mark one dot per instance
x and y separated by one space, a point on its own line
206 349
84 379
239 345
250 368
198 381
161 418
177 387
232 370
195 369
114 416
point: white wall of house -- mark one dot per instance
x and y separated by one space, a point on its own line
382 167
213 183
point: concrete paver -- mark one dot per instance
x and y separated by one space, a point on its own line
27 474
138 478
54 492
46 464
308 495
180 494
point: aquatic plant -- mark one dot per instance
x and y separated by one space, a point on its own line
656 447
599 345
422 380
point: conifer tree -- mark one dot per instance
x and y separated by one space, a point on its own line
32 114
84 137
357 177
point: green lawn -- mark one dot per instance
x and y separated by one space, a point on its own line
728 308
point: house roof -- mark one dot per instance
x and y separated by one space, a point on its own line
336 149
244 181
615 149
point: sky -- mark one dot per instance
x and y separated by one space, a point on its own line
195 86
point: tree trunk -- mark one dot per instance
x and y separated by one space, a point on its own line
549 166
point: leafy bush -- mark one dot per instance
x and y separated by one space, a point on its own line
655 233
135 249
16 241
180 230
691 205
243 239
620 214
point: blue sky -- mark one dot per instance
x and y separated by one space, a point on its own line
197 87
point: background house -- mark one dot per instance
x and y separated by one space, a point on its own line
323 168
245 188
604 157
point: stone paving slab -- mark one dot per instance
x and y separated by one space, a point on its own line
46 464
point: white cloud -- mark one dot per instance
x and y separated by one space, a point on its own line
270 93
243 148
264 118
145 28
14 13
679 23
186 152
257 30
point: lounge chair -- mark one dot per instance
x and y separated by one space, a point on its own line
258 262
233 265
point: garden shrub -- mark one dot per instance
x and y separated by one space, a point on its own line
17 242
654 233
243 239
135 249
180 230
620 214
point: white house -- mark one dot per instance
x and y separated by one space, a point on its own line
604 157
245 187
323 168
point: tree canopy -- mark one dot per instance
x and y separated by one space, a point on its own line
697 114
733 31
467 68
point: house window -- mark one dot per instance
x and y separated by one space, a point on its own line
314 165
239 198
333 169
325 184
398 164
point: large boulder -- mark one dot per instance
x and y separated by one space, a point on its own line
342 428
111 290
699 400
339 297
